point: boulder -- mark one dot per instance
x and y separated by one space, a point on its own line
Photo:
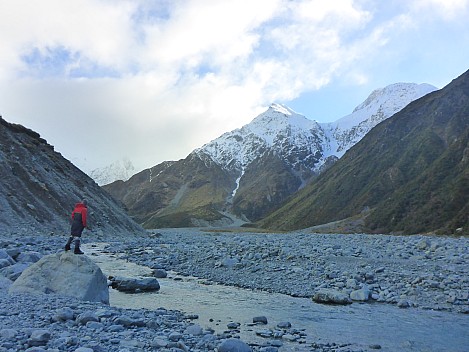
65 274
234 345
331 297
133 285
160 273
362 294
14 271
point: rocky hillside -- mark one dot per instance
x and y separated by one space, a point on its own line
410 174
247 173
39 188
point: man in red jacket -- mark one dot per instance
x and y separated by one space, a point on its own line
79 218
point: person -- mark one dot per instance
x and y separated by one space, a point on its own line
79 223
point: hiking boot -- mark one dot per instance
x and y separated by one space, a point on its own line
69 242
77 248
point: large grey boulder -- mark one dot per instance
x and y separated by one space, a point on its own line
65 274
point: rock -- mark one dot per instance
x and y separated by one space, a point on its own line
265 333
284 325
403 304
64 314
4 255
194 330
14 271
4 263
132 285
86 317
65 274
362 294
259 320
233 325
5 283
234 345
423 244
175 336
327 296
84 349
8 334
351 283
159 342
29 257
229 262
39 338
160 273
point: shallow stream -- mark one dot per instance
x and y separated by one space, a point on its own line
359 325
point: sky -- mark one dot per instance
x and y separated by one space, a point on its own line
151 80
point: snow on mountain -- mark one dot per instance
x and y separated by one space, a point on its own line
279 129
121 169
381 104
302 142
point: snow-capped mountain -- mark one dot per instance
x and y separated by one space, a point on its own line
381 104
251 171
304 143
121 169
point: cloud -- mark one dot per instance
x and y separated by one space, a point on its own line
152 80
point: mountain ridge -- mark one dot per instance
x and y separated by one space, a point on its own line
409 174
247 172
40 187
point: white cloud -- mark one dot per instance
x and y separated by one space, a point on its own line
152 80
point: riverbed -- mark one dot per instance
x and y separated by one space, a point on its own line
360 326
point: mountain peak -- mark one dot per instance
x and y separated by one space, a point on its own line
399 92
283 109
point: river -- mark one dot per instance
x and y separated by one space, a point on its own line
360 325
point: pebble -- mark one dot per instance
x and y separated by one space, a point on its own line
422 272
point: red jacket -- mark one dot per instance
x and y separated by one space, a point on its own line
80 208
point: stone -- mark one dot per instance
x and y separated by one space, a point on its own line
133 285
351 283
5 283
29 257
229 262
14 271
39 338
4 263
362 294
4 255
265 333
233 325
159 342
64 314
160 273
403 304
86 317
234 345
194 330
327 296
175 336
423 244
65 274
8 334
259 320
284 325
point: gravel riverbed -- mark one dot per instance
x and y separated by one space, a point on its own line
411 272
